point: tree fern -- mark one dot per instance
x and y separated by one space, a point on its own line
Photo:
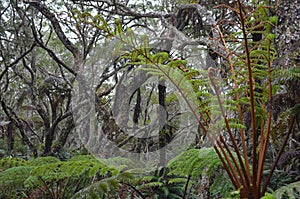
247 57
62 179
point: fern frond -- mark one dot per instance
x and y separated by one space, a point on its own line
177 180
291 191
221 185
105 188
288 156
9 162
195 162
12 179
58 171
289 74
43 160
151 184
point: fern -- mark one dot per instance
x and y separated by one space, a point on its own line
291 191
287 156
204 161
12 180
247 59
221 186
74 170
102 189
195 162
9 162
63 179
156 184
43 160
288 74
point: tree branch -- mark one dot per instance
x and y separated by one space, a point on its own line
56 25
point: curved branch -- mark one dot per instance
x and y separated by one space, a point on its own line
56 25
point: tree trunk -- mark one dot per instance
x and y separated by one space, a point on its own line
162 133
10 138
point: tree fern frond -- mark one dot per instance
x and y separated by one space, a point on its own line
55 172
105 188
151 184
195 162
288 156
177 180
291 191
289 74
221 185
43 160
12 180
9 162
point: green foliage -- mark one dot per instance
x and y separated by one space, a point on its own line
195 162
221 185
43 160
157 184
63 179
268 196
202 162
88 177
12 180
289 74
9 162
291 191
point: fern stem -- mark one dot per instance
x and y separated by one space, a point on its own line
240 116
253 118
231 172
135 189
233 159
243 175
46 187
186 187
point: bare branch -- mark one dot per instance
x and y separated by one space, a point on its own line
56 25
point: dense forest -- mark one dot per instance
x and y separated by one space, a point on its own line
149 99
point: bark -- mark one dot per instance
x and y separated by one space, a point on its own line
10 138
56 25
162 133
288 33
